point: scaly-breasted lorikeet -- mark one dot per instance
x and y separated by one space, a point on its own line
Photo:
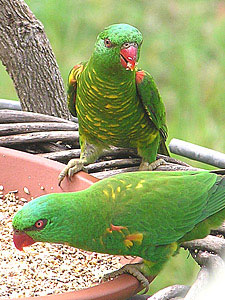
145 214
116 103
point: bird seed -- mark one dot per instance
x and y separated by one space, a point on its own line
44 269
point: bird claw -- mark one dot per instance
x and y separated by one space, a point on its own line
73 166
145 166
132 269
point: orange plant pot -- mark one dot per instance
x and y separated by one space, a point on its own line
39 176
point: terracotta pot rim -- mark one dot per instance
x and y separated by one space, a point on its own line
120 288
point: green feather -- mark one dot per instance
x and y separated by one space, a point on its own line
112 106
157 211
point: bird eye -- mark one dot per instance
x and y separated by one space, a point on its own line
126 45
108 43
40 224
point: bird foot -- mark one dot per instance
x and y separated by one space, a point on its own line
145 166
73 166
132 269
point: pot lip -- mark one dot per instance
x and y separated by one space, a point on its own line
120 288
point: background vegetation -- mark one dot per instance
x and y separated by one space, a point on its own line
183 49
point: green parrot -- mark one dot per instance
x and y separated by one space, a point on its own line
145 214
116 103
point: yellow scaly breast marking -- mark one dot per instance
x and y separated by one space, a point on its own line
88 117
111 96
103 137
71 79
97 119
75 73
77 109
126 116
91 92
140 184
79 99
118 107
113 195
106 193
90 104
95 88
114 125
122 181
114 192
108 106
86 83
89 75
118 189
129 186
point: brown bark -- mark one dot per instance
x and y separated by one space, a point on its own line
18 128
28 57
12 116
34 137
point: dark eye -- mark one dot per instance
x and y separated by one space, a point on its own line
40 224
108 43
126 45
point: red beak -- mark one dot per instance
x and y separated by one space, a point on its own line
128 57
21 239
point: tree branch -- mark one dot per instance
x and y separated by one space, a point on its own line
209 243
12 116
28 57
170 292
207 253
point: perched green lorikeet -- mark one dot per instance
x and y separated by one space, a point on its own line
145 214
116 103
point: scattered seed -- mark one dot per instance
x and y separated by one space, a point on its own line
1 187
26 190
44 268
13 192
23 199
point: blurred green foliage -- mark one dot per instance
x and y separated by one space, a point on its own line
184 51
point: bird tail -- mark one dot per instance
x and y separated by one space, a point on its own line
163 149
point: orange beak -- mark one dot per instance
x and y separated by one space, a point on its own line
21 239
128 57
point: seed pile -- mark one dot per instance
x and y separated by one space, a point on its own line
44 268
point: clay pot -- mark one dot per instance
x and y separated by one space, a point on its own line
19 170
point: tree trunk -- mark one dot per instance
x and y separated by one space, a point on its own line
28 57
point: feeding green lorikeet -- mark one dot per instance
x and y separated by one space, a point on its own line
145 214
116 103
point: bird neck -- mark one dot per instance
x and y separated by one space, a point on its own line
86 208
109 72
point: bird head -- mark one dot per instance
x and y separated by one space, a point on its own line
118 47
42 220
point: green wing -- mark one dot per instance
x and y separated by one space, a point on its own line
150 97
164 207
72 87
